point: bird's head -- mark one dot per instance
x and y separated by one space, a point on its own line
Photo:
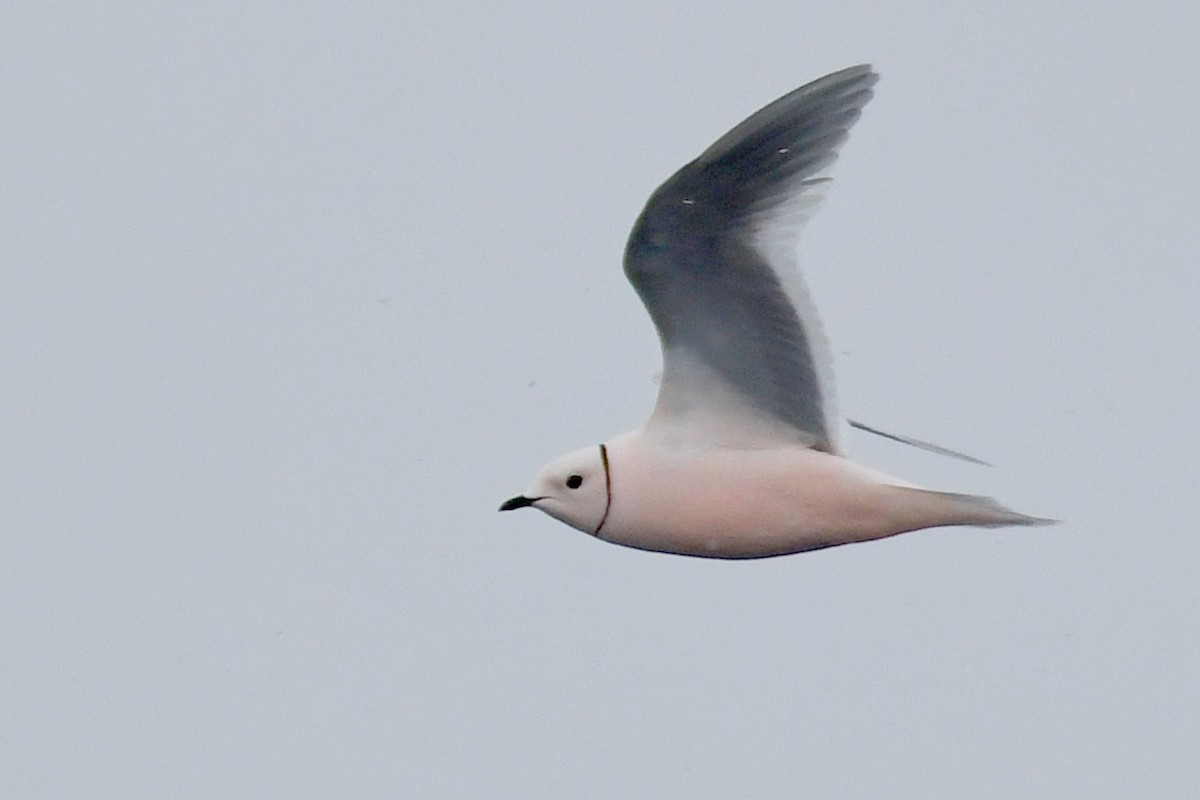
574 489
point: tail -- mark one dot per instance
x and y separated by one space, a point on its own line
971 509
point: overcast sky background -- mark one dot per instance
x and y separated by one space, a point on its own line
293 295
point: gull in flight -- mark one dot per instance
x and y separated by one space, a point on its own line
741 458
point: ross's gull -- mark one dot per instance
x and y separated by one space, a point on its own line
741 458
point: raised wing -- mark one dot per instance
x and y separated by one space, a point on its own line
712 257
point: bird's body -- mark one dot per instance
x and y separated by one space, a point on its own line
747 503
756 502
741 457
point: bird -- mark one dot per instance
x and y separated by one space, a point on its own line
741 457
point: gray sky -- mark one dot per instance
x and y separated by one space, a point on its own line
293 295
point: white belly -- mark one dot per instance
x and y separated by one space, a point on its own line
748 503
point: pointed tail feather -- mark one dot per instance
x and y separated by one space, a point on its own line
973 509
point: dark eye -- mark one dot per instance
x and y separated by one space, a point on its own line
574 482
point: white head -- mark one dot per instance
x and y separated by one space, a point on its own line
574 489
